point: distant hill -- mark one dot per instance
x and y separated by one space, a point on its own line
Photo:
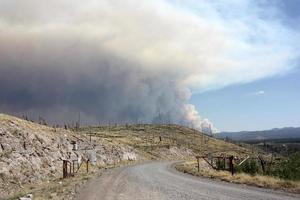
273 134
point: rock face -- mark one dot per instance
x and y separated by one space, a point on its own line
30 152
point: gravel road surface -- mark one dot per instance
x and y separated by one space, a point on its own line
160 181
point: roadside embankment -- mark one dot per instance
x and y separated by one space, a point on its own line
190 167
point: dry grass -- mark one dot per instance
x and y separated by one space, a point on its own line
145 138
241 178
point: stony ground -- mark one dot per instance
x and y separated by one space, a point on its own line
31 153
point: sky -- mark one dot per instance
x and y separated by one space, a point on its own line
199 63
266 103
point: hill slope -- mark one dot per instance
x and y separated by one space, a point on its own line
151 140
33 153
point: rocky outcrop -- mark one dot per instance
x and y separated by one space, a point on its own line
30 152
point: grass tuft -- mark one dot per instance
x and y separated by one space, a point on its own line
241 178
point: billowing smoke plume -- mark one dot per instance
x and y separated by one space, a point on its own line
131 60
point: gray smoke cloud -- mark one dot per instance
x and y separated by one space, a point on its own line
58 78
128 61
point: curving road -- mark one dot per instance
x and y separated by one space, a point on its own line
159 181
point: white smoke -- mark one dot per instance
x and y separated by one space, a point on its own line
116 59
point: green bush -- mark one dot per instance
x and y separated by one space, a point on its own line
220 164
287 169
250 167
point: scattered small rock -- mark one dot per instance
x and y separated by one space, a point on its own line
27 197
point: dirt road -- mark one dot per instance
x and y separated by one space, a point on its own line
159 181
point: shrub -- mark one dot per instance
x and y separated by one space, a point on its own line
250 167
287 169
220 164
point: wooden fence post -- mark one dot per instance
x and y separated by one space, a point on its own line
73 166
87 166
198 163
70 169
64 169
231 165
262 162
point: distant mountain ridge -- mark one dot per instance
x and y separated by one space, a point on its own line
276 133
